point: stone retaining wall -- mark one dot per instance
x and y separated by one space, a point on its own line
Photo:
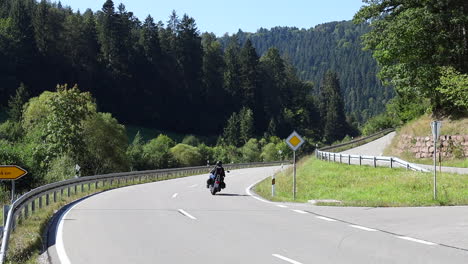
423 147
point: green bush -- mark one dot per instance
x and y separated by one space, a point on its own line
135 154
207 153
186 155
106 144
191 140
270 153
454 91
251 151
11 131
227 154
157 153
61 168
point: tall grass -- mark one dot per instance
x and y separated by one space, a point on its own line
365 186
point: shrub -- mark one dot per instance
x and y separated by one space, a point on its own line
251 151
157 153
191 140
186 155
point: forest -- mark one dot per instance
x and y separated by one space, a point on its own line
71 83
152 74
333 46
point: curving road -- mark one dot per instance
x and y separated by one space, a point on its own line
179 221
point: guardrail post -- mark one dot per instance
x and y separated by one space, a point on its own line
360 160
340 158
33 206
55 196
76 189
68 193
349 159
407 166
82 187
391 162
40 202
26 211
97 185
375 162
47 199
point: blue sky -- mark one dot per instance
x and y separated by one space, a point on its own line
220 17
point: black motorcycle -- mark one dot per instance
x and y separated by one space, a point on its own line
217 184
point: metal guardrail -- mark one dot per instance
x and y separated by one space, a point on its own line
25 205
321 154
338 157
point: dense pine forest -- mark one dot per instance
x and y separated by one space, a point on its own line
71 83
336 46
172 77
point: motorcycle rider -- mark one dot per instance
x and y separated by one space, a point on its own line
218 169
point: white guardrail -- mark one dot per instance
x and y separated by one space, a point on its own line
25 205
388 161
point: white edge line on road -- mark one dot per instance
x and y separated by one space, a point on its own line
187 214
363 228
62 254
299 211
326 218
286 259
417 240
175 195
282 206
247 190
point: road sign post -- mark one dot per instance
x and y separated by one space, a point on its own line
436 125
12 173
294 141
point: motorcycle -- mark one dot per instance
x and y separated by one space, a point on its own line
216 184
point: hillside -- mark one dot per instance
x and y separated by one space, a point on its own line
414 142
336 46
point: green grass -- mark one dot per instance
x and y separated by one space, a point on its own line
421 127
366 186
445 162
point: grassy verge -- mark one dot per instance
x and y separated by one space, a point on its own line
446 162
366 186
26 241
421 128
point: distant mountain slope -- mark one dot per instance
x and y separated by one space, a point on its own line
335 46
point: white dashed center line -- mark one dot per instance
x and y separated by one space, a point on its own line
286 259
187 214
175 195
362 228
326 218
300 211
417 240
282 206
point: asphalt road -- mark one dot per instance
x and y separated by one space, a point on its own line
179 221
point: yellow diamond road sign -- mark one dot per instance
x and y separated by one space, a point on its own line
294 141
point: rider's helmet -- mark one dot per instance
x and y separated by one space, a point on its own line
219 163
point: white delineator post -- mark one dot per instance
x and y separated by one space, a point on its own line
273 185
435 133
